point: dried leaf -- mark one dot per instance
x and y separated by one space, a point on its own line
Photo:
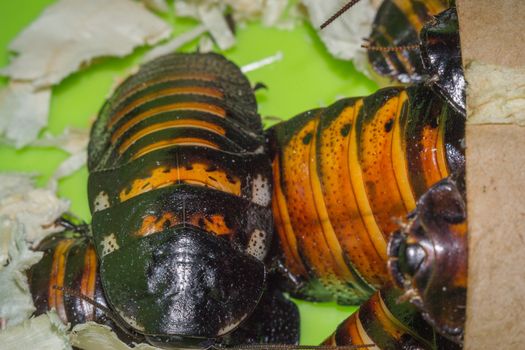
36 208
94 336
175 43
72 140
45 332
344 36
157 5
16 303
212 17
70 33
23 112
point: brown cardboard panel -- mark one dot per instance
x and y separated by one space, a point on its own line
496 209
493 39
493 31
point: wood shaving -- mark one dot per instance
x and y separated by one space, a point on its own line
45 332
23 113
344 36
71 33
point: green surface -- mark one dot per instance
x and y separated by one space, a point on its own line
307 77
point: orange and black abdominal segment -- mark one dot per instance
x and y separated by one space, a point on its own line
383 324
169 128
343 175
68 264
398 24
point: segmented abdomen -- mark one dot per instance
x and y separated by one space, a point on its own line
180 143
398 23
383 323
69 262
177 153
344 175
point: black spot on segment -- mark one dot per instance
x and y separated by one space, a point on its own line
307 138
389 124
345 130
230 179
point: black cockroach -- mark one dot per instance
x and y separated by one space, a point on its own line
398 24
428 258
180 191
416 41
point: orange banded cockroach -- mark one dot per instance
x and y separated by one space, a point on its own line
344 173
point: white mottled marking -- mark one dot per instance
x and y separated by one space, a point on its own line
101 201
261 191
131 321
109 244
257 244
231 326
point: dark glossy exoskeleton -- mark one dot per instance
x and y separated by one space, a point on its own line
428 258
434 26
180 191
398 23
345 175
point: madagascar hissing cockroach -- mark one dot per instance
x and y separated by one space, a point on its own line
344 174
428 258
69 268
416 41
180 189
398 24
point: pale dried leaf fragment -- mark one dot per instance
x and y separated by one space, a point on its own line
75 142
16 303
23 112
271 12
175 43
495 94
45 332
157 5
263 62
72 140
94 336
212 17
344 36
71 33
36 208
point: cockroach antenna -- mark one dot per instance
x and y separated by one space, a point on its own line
339 13
370 47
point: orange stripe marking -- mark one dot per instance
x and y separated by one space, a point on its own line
180 106
172 91
162 177
183 123
58 269
180 141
